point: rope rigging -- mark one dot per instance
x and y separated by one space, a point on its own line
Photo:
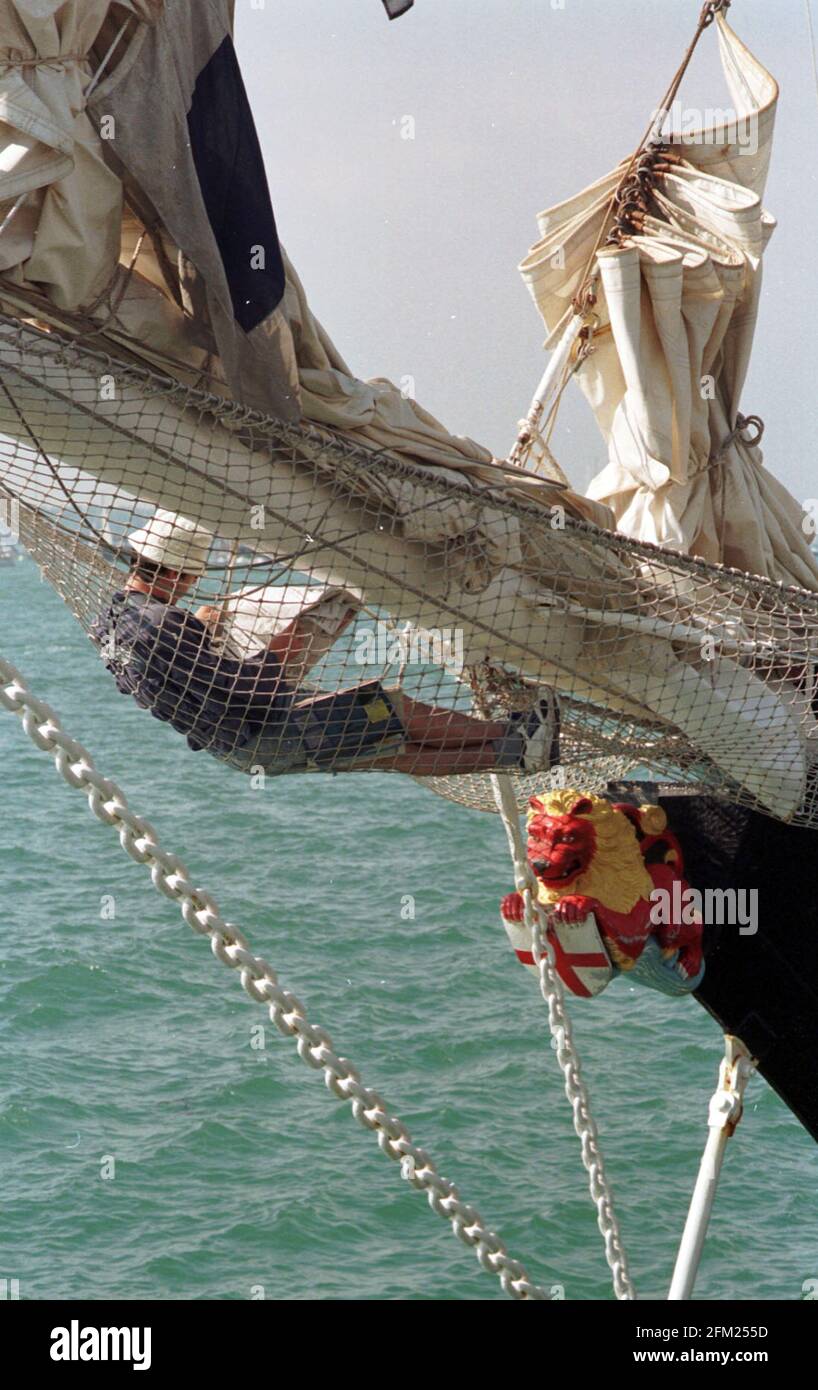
641 163
625 211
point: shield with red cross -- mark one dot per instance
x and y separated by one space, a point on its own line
580 958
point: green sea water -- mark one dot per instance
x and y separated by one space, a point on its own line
149 1150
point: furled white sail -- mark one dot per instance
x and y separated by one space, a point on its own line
677 303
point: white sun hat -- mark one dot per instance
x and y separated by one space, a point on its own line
173 541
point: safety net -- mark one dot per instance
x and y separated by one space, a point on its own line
357 611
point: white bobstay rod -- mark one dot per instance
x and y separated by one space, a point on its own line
726 1107
548 387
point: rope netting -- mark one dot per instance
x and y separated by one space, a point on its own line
290 600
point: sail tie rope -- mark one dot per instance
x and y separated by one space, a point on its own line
57 61
112 294
743 422
259 980
559 1023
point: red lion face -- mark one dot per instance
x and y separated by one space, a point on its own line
560 848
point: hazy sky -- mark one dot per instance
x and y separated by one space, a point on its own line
409 248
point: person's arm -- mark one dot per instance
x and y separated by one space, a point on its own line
290 644
209 615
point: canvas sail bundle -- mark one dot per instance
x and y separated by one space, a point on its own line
101 171
148 228
145 377
677 303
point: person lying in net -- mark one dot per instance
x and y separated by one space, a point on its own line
249 715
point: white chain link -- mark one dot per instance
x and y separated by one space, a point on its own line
314 1045
560 1025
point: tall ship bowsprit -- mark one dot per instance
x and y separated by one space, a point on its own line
635 667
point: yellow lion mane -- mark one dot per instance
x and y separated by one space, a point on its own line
616 876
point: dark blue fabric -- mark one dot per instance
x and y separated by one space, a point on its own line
230 168
351 723
163 657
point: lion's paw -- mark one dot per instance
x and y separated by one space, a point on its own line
574 907
512 907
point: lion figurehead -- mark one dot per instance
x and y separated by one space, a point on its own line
580 843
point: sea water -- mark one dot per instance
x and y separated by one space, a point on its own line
158 1141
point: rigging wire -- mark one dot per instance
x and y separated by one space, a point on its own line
585 297
811 30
